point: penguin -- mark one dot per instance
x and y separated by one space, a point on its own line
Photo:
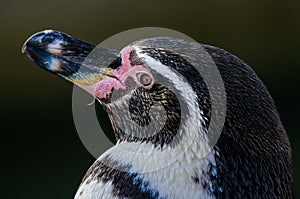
250 159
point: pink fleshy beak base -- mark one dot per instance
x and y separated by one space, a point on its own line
116 80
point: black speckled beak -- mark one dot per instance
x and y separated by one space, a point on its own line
67 56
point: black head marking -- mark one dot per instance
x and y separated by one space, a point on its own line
143 100
134 59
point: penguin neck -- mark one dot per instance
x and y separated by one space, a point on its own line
175 169
191 141
146 157
171 171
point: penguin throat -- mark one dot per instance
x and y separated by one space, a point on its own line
142 116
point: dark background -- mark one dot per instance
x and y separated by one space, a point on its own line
42 155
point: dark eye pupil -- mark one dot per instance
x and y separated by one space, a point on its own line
145 79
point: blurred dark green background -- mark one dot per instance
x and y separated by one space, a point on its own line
42 156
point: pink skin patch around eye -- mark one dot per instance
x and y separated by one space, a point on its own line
104 87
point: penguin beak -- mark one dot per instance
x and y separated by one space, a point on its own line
70 58
57 52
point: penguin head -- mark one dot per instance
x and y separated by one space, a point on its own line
149 92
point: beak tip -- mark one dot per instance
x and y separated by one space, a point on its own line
35 37
24 48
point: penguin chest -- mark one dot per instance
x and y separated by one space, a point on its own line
95 189
120 177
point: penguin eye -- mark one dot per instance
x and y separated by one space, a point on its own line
145 79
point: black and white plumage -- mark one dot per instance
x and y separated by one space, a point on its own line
251 159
